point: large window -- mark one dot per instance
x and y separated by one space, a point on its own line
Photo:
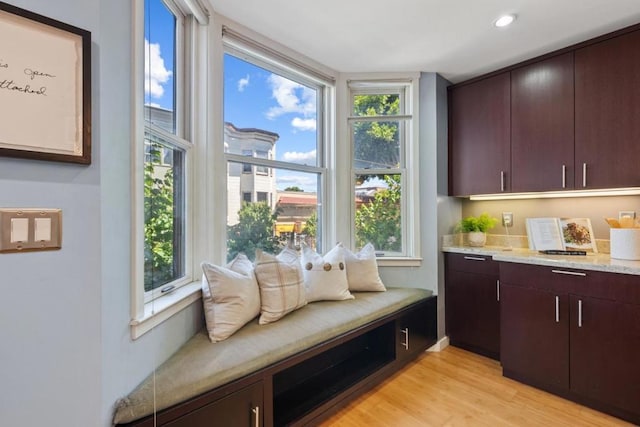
380 126
274 112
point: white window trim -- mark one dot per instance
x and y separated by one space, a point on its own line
378 83
147 314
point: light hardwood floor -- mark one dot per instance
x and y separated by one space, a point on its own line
459 388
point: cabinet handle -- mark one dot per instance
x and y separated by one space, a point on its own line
579 313
256 412
475 258
584 175
570 273
557 309
564 176
498 290
405 344
501 180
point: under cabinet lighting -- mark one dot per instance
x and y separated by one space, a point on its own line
558 194
504 20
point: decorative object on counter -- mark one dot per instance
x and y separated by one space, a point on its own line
564 234
477 228
625 238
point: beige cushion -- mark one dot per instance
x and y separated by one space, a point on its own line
362 270
230 296
281 284
325 278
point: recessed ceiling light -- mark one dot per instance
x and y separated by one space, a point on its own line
505 20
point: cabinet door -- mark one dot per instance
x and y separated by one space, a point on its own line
605 351
416 330
607 93
542 125
534 336
472 312
479 137
242 409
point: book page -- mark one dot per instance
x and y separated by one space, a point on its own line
544 233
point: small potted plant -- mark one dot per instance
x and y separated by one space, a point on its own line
476 227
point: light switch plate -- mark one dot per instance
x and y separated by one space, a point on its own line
30 229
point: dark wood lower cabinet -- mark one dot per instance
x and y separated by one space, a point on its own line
472 306
242 408
575 333
605 352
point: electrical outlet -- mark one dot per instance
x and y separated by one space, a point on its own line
507 219
627 214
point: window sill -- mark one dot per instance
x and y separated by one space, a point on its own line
160 309
399 262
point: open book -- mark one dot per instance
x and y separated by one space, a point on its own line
561 233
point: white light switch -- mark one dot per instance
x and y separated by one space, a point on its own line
19 230
42 229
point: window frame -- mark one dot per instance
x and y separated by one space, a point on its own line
407 88
148 309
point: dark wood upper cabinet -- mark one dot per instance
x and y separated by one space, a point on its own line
479 137
607 103
542 143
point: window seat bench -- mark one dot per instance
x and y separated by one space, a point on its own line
288 372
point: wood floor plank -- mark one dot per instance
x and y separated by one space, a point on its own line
456 388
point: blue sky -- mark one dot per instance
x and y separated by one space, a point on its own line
253 97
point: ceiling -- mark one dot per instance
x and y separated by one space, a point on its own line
455 38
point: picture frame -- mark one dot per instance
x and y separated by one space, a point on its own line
45 88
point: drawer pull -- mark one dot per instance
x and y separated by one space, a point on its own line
564 176
502 186
557 309
475 258
498 290
405 344
584 175
256 412
579 313
570 273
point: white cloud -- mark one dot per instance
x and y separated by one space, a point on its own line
306 183
303 124
155 73
243 83
291 97
302 158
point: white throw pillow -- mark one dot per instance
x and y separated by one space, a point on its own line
281 284
325 278
230 296
362 270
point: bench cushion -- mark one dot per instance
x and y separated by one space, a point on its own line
200 366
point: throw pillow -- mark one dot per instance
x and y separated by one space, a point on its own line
362 270
230 296
325 278
281 284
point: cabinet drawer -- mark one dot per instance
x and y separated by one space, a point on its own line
471 263
597 284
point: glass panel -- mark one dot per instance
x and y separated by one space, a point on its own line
376 144
258 102
163 213
376 105
159 65
267 225
378 212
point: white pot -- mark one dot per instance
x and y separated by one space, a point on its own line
477 238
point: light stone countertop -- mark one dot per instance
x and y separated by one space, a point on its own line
595 262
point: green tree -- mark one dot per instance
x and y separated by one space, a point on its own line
294 188
254 230
376 142
311 226
158 222
378 221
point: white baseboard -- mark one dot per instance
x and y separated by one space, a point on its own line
440 345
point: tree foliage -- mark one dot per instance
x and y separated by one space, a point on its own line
294 188
254 230
378 221
158 222
376 142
